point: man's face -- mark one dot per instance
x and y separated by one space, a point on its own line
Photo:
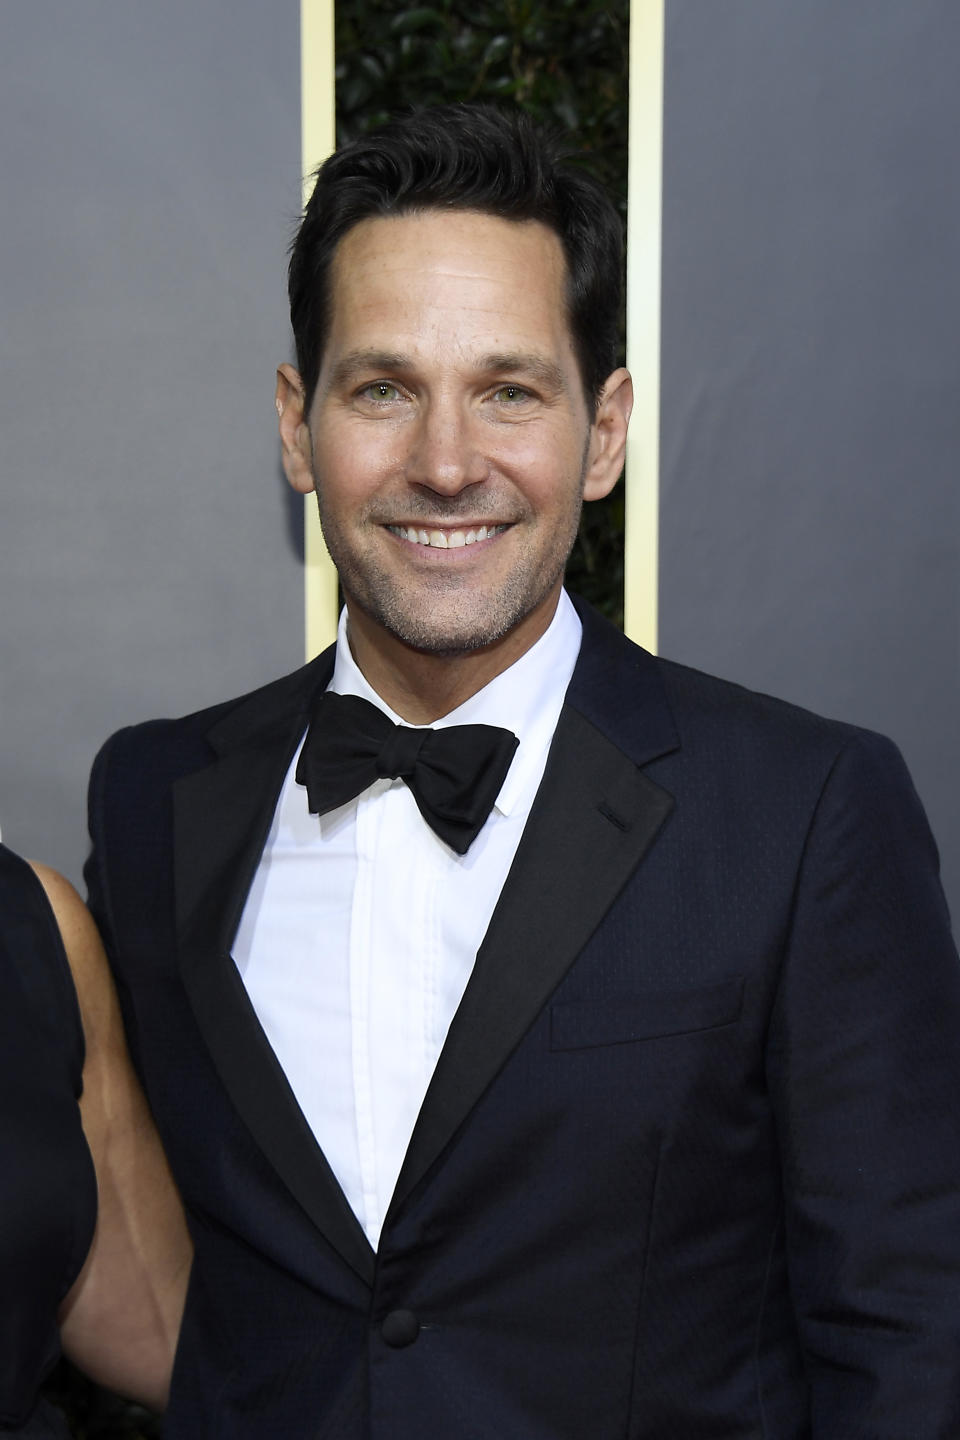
450 440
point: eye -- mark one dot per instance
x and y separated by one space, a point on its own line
511 394
382 391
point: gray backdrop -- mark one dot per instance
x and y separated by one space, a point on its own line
150 164
149 557
810 448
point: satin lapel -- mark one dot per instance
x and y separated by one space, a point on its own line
594 817
222 816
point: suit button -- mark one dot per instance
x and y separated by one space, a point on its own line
399 1328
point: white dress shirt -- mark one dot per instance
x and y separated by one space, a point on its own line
361 927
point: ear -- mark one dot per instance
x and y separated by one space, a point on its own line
608 436
294 430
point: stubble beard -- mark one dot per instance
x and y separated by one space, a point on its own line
439 616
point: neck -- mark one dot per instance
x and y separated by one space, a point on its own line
421 687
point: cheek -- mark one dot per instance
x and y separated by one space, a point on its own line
351 467
549 481
543 462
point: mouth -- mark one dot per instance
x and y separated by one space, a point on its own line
446 539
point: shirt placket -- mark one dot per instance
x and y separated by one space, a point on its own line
361 964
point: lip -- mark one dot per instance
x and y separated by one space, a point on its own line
442 538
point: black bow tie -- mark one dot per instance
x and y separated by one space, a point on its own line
455 774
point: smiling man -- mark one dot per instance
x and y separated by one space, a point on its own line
549 1041
450 442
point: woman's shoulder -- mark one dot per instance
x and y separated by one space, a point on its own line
85 957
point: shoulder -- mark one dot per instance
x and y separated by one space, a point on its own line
753 725
763 787
135 776
30 897
704 702
82 947
72 918
157 750
721 732
781 754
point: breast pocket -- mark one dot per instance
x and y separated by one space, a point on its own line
651 1016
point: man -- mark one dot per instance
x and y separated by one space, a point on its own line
625 1109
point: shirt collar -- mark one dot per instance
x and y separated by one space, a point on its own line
526 698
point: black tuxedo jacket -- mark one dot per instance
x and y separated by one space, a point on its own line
689 1166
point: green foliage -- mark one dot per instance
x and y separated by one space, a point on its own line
564 63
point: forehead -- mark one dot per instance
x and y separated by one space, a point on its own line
450 277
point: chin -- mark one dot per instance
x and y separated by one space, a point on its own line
460 628
431 636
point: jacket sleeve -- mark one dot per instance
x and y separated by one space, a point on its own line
864 1071
96 875
93 868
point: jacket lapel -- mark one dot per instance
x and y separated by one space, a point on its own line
222 817
594 818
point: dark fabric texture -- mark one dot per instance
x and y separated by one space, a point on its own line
454 774
45 1422
47 1187
689 1165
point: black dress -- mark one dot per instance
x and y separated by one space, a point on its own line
48 1196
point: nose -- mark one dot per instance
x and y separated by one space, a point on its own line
445 454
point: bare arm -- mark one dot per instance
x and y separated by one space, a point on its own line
120 1320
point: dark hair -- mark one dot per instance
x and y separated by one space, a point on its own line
464 157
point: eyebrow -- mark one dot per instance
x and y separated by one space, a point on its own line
545 372
389 362
377 361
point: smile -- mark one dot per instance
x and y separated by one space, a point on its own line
446 539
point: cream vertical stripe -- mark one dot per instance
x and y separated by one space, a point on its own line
643 308
317 141
644 208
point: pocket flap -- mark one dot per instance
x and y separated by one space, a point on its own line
644 1016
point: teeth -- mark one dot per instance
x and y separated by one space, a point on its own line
441 541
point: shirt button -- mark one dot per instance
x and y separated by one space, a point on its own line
400 1328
